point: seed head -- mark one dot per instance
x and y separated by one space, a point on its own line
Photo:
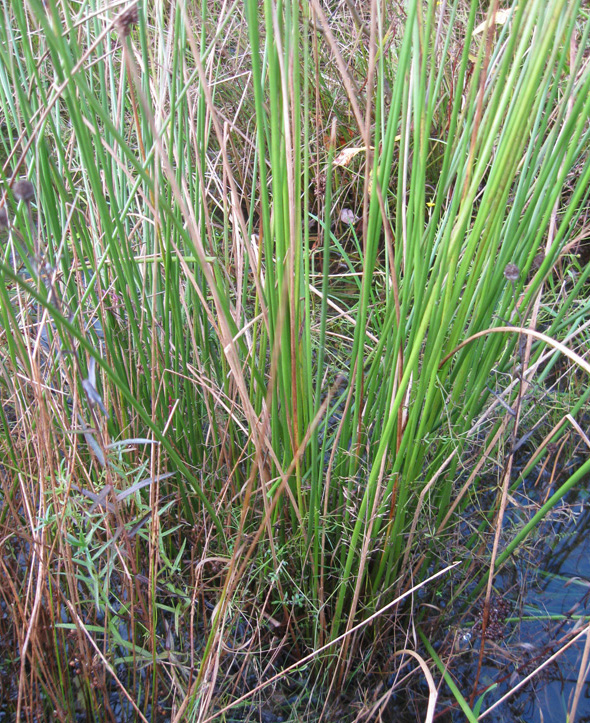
512 272
24 190
3 218
537 262
127 20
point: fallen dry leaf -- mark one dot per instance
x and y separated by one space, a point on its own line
345 156
500 19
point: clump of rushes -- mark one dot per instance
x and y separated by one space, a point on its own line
198 217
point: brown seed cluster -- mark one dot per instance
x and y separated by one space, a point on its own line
127 20
24 190
499 610
537 261
319 186
512 272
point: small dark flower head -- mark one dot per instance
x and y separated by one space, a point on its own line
3 218
512 272
127 20
537 261
24 190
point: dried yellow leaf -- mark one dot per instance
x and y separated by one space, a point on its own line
499 19
346 156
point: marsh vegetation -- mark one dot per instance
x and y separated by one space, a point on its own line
293 356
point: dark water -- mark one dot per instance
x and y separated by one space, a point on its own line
546 594
561 587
